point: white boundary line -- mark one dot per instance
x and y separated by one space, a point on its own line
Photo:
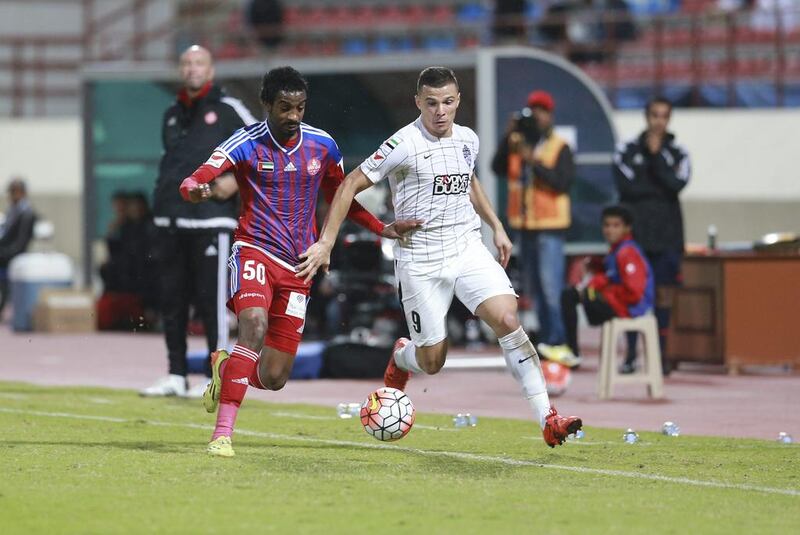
432 453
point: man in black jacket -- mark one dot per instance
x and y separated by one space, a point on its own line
650 171
193 240
15 233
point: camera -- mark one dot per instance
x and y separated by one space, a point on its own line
525 124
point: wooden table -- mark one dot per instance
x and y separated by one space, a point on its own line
737 309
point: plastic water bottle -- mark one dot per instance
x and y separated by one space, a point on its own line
670 429
785 438
465 420
712 237
577 435
630 437
343 410
354 409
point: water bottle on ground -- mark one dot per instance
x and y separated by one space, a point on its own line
785 438
670 429
343 410
630 437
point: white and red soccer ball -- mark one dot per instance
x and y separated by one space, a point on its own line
387 414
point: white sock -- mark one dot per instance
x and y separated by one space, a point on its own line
523 362
406 358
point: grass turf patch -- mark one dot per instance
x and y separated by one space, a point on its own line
87 460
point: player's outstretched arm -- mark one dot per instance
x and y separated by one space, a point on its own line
318 256
484 209
197 187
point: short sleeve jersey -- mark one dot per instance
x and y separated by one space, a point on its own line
430 179
279 186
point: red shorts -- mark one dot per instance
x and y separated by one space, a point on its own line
256 280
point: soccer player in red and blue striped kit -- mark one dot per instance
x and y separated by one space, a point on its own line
280 165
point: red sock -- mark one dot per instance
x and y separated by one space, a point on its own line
255 378
235 377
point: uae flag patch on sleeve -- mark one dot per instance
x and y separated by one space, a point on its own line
264 166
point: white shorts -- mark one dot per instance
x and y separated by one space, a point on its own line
426 289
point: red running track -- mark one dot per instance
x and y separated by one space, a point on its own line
701 400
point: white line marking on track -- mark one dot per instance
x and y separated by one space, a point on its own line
432 453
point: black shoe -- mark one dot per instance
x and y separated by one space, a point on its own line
627 368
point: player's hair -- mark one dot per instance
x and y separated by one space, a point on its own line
618 211
436 77
657 100
281 79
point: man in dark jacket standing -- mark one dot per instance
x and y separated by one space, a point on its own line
650 171
193 240
15 233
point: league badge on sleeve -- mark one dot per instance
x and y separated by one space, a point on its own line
216 159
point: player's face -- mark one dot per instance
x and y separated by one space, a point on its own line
614 229
196 68
658 118
286 113
438 106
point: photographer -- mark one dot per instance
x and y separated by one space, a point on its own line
538 166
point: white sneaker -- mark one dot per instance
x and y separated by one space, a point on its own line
198 390
171 385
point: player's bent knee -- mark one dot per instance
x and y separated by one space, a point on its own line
272 382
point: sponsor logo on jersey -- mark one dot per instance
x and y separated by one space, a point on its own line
211 117
264 166
216 159
290 167
457 184
313 166
467 154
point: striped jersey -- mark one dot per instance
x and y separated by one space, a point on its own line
430 179
279 187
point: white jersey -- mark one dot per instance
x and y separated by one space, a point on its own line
430 179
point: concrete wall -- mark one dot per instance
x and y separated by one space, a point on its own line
48 154
745 177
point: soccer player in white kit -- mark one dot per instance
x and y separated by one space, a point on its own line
430 165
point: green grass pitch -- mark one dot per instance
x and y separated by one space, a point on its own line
81 460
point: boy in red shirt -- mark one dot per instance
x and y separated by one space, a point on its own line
624 288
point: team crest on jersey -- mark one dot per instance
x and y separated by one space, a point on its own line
456 184
211 117
216 159
313 166
467 154
266 167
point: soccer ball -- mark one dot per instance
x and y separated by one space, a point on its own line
556 376
387 414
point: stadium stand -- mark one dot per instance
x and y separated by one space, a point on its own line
702 52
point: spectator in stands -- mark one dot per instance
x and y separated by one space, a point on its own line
650 171
539 168
622 287
266 18
16 232
587 30
509 20
130 295
192 240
